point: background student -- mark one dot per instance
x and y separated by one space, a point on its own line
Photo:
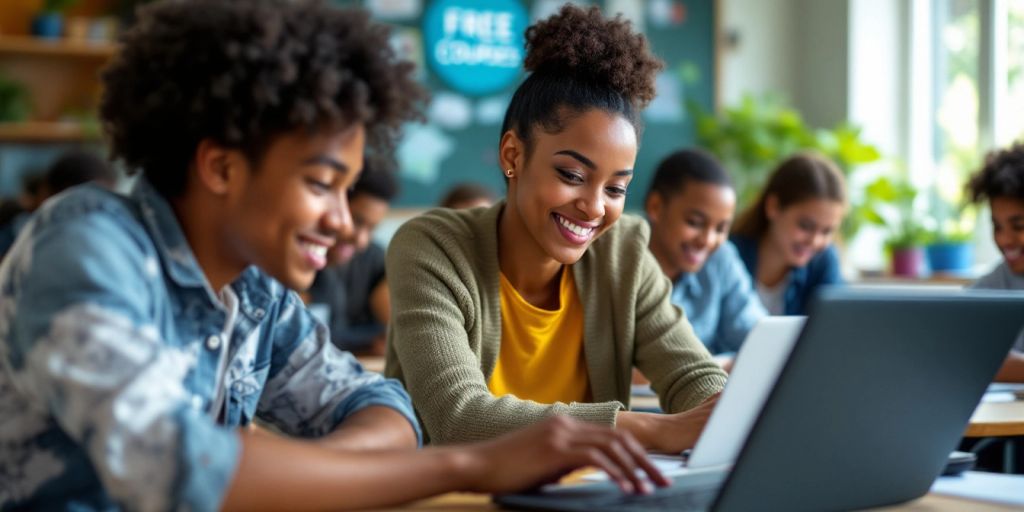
351 292
1001 182
690 207
785 238
74 167
543 303
467 195
137 333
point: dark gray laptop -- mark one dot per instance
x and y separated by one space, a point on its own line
876 393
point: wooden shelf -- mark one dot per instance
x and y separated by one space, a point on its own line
37 47
43 131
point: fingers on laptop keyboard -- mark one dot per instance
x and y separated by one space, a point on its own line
619 454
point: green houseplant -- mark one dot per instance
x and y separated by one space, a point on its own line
950 247
890 203
14 101
752 137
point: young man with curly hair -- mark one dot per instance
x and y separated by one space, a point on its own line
1001 182
137 334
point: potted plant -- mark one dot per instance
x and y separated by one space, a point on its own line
890 203
49 22
950 248
14 101
953 253
906 248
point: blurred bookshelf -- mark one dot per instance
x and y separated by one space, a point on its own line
28 46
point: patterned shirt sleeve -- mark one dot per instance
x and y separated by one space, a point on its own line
80 341
313 385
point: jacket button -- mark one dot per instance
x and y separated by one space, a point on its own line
213 342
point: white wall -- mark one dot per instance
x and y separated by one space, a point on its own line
822 71
796 48
762 60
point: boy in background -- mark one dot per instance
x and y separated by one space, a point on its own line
1001 182
352 292
690 206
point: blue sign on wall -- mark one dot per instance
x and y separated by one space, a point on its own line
475 47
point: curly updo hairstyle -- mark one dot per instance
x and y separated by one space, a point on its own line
579 60
241 72
1001 176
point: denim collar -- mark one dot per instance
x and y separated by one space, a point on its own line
689 282
175 253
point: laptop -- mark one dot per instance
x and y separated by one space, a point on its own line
874 395
754 372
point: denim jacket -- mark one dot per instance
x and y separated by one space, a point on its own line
823 269
719 301
113 347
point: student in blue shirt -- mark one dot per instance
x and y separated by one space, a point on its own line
690 206
1001 182
785 238
137 334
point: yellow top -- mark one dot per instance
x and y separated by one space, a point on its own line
541 356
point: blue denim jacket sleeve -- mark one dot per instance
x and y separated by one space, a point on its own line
828 269
313 385
81 343
741 308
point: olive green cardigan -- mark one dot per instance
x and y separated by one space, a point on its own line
445 329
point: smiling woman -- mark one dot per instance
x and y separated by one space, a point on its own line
543 303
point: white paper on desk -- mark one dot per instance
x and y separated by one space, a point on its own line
976 485
998 397
1004 387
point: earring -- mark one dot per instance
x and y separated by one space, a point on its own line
508 173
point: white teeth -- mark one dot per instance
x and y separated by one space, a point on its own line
575 228
1012 254
317 250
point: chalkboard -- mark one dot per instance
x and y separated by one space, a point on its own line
459 142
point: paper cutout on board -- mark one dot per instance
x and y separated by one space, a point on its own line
450 111
632 10
667 106
422 151
395 10
666 13
408 44
491 111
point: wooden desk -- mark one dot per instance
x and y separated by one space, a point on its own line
997 419
461 502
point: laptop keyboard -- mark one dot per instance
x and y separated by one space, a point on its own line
675 497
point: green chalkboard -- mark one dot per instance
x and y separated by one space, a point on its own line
459 142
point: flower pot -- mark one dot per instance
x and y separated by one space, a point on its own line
48 25
909 262
950 257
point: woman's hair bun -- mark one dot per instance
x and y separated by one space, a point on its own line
585 44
